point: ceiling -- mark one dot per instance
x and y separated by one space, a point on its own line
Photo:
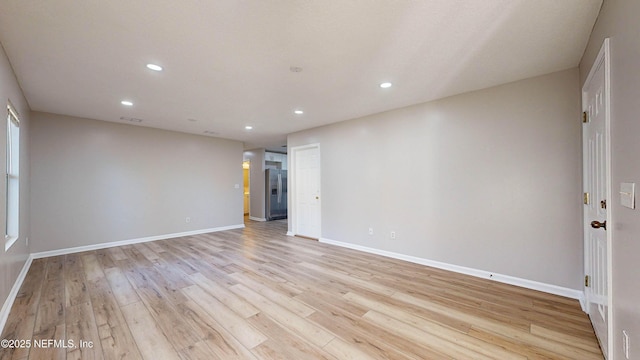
227 63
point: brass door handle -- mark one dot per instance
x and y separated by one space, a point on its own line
597 224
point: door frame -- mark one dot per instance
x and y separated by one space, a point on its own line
603 59
291 183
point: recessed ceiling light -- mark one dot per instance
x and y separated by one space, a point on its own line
154 67
385 85
248 127
298 112
126 103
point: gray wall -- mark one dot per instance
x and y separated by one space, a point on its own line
12 261
96 182
618 20
489 180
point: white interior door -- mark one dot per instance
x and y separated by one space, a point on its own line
306 184
597 222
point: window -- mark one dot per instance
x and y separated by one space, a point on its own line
13 177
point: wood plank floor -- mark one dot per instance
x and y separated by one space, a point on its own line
257 294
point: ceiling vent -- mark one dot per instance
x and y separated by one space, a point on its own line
136 120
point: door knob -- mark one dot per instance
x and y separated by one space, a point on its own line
597 225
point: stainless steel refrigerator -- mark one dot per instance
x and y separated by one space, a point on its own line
276 192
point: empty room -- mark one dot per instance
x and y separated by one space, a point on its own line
224 179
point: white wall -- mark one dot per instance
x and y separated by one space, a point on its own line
489 180
95 182
618 20
12 261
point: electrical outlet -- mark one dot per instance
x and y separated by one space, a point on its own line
625 344
187 219
370 231
392 235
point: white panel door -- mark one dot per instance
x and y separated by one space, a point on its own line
307 191
596 185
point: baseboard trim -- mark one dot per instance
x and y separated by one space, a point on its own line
257 218
8 303
529 284
290 233
77 249
583 302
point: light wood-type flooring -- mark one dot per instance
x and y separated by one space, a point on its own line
255 293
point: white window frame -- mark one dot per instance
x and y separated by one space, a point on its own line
12 220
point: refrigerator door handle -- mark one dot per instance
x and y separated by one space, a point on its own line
279 187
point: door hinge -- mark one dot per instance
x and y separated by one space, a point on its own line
585 117
586 281
585 199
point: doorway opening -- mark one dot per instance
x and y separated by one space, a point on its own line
246 166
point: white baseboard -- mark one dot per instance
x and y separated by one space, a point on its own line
290 233
529 284
8 303
257 218
130 241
